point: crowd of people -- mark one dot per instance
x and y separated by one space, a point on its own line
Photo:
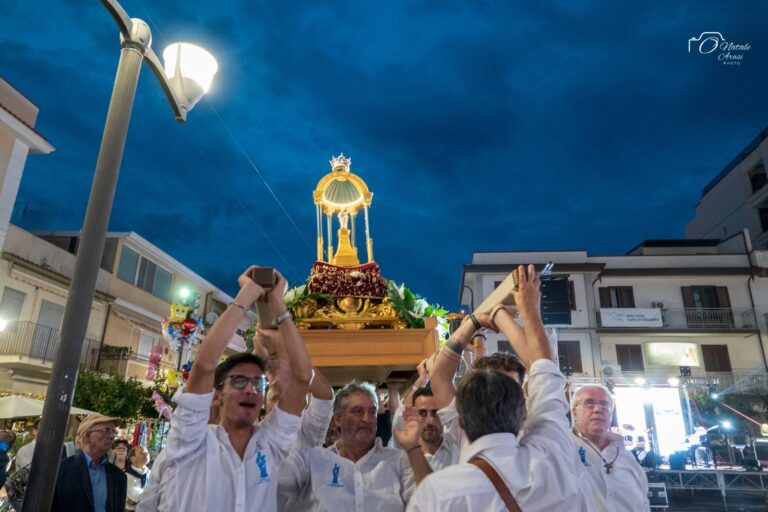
499 440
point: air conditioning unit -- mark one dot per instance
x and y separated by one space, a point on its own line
611 370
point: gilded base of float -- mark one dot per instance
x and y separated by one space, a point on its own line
347 313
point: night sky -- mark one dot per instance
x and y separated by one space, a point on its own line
477 125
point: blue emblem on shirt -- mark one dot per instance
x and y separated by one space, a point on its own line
335 474
583 456
261 461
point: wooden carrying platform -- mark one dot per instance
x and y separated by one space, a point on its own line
368 354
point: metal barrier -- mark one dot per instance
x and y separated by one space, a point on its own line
118 364
725 481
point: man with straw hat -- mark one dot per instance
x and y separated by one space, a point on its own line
86 480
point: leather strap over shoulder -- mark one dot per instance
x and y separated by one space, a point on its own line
497 482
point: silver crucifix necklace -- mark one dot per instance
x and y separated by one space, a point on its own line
607 465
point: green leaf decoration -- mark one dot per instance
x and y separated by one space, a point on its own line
412 308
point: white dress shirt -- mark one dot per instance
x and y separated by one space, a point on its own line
539 469
150 499
134 489
381 481
24 455
446 455
203 470
314 426
314 422
625 488
452 431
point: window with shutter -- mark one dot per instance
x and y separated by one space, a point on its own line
630 358
11 304
716 358
569 354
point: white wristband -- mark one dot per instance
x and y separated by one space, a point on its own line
282 317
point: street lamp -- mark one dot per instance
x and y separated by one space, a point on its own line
184 86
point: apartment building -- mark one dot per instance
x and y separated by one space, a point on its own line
136 285
737 198
664 305
18 139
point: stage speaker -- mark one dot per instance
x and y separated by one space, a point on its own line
677 460
751 465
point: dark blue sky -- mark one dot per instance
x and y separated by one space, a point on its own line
478 125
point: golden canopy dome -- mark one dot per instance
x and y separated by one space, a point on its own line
341 190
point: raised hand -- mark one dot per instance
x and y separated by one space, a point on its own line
250 292
275 295
528 294
408 436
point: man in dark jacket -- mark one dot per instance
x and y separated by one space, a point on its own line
86 480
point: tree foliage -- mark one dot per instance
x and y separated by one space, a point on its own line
114 396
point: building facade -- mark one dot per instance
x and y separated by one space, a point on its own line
667 304
18 138
136 286
737 198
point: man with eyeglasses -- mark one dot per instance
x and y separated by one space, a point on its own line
233 466
618 482
87 481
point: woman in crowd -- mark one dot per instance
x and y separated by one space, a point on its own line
120 453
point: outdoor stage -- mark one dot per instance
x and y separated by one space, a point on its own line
728 480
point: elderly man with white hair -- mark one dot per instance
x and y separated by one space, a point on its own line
618 482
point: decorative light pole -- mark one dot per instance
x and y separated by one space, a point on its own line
189 70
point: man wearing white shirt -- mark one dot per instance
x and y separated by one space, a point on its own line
317 414
439 451
24 455
618 482
234 466
357 473
507 364
538 469
137 473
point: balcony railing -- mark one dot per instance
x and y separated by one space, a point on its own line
700 319
118 364
39 342
726 382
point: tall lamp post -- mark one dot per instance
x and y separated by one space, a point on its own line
189 70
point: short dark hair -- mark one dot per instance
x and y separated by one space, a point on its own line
222 371
421 392
490 402
501 361
118 442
